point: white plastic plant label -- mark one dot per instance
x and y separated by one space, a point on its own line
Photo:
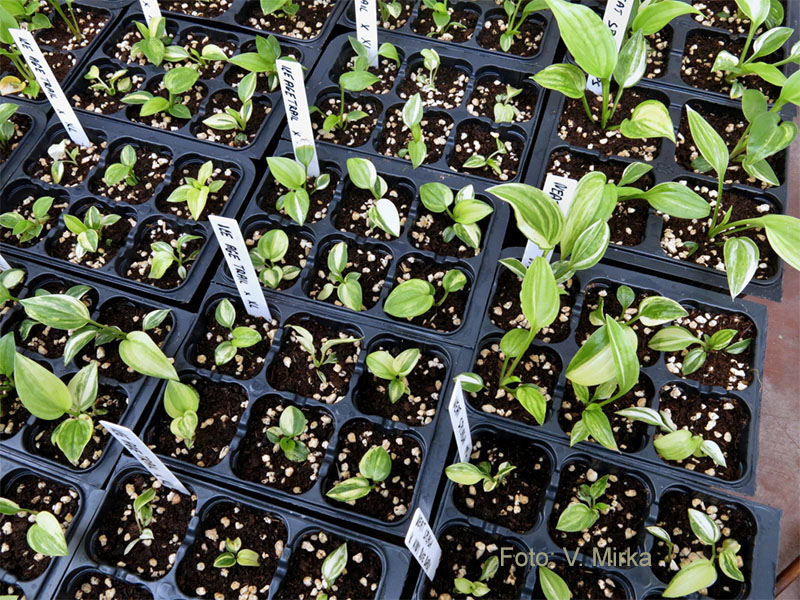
616 16
423 544
562 190
293 89
460 421
144 455
50 86
231 242
4 266
150 10
367 28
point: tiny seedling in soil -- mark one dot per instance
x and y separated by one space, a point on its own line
237 119
479 161
143 513
383 213
326 356
464 209
465 473
332 567
181 402
293 175
208 54
441 17
7 128
153 44
238 337
504 109
61 157
176 81
122 170
553 585
362 58
90 230
67 16
516 18
675 338
31 228
195 191
286 8
394 369
164 255
356 80
479 588
374 467
412 115
582 515
415 297
116 82
45 536
270 250
29 17
346 285
263 60
291 425
233 554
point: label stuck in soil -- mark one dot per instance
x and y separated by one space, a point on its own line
144 455
616 16
367 28
150 10
561 189
423 544
293 89
50 86
4 266
460 421
234 249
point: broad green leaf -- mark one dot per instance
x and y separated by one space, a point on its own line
287 172
350 489
643 414
225 313
514 342
577 517
741 263
464 473
58 311
533 401
538 216
656 15
590 203
623 350
46 537
180 398
782 233
657 310
593 364
756 10
43 394
376 464
292 421
553 586
410 299
587 37
565 78
380 364
591 246
672 339
334 564
72 435
632 61
677 200
141 353
83 387
648 120
710 144
599 427
729 565
677 445
704 527
539 297
695 576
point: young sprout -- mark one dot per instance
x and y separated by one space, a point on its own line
68 16
263 60
61 157
293 175
394 369
45 536
176 81
164 255
208 54
465 473
432 62
347 287
478 161
234 554
270 250
516 18
412 118
362 58
326 356
143 513
349 81
478 588
374 467
582 515
237 119
467 211
390 9
114 83
286 8
154 42
7 128
31 228
238 337
332 567
504 109
676 338
181 402
290 426
90 230
195 192
383 213
415 297
441 17
123 170
700 573
553 586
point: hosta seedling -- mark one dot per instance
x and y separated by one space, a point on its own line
45 536
465 473
478 588
266 256
463 208
154 42
143 513
583 514
356 80
293 175
286 8
362 57
430 61
233 554
238 337
394 369
181 402
516 12
391 9
116 82
27 229
291 426
7 352
332 567
374 467
67 14
441 17
700 573
164 255
415 297
90 230
383 213
504 109
326 356
7 129
478 161
412 114
177 81
264 60
553 585
61 157
676 338
195 191
122 170
208 54
232 119
346 285
15 15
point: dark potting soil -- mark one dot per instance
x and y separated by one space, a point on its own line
13 415
427 234
394 137
112 238
352 213
424 25
611 307
416 408
585 583
629 219
9 589
629 435
262 532
485 97
526 42
618 527
575 127
392 23
445 317
25 209
150 169
248 362
110 406
391 499
228 99
516 503
90 22
474 138
163 120
95 585
98 101
725 15
218 413
710 253
128 317
296 255
307 23
215 204
39 494
464 550
734 522
87 160
148 559
732 372
368 260
319 201
197 8
120 46
660 48
22 123
506 311
293 370
262 461
730 124
356 133
47 341
721 420
448 93
360 578
386 70
540 366
161 231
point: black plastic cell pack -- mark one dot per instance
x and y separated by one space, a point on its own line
645 456
22 443
760 553
394 561
183 154
36 121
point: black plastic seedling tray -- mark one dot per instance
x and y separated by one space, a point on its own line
139 392
37 119
183 153
657 373
11 469
323 234
394 560
179 28
760 552
324 83
648 255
